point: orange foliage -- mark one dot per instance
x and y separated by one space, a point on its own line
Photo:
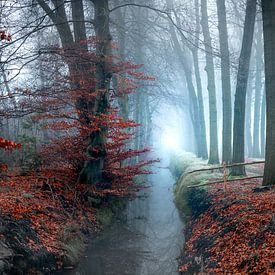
8 144
236 234
50 206
68 151
5 36
52 198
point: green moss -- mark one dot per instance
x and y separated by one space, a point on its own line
104 216
140 180
72 242
179 163
117 205
190 200
183 193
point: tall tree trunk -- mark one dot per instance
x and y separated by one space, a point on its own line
202 137
60 21
139 96
123 99
263 128
226 84
248 135
93 169
268 7
194 108
258 90
74 43
240 95
211 86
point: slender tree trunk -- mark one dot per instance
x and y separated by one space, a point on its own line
123 99
248 135
240 95
226 84
268 7
194 108
263 127
139 96
213 154
204 153
258 90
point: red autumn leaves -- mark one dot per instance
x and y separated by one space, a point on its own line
5 36
8 144
236 235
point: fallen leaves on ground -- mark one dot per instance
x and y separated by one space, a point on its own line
236 235
50 205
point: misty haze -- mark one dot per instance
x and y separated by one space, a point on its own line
137 137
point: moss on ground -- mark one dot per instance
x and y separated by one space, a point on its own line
184 196
73 243
191 201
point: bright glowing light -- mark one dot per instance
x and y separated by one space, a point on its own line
171 141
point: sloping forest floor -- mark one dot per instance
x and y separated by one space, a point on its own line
43 224
235 232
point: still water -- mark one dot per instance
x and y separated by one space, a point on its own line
146 242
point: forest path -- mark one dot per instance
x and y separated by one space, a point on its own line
146 242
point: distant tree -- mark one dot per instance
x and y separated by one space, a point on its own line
248 113
258 88
203 142
182 54
226 84
268 7
240 95
211 86
263 126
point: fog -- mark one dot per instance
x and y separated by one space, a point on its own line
97 91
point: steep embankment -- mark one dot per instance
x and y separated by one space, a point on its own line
43 225
229 232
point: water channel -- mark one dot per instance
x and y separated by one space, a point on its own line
147 242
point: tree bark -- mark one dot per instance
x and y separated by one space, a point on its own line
263 124
213 154
204 152
268 7
92 172
258 90
240 95
75 43
123 99
194 108
248 135
226 84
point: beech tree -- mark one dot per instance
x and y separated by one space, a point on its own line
268 10
240 95
182 53
226 82
75 41
203 143
211 85
258 88
263 124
